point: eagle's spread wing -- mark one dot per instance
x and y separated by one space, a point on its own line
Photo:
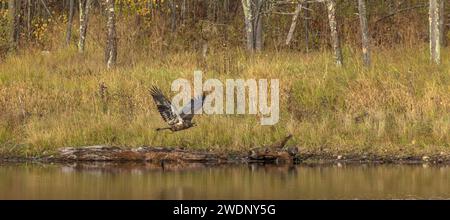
165 108
188 111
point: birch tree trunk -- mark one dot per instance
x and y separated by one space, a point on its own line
435 48
248 19
69 22
364 31
306 24
84 17
14 24
253 18
335 41
293 23
111 44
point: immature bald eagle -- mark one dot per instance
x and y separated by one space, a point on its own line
177 120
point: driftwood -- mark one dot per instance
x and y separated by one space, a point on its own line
146 154
273 153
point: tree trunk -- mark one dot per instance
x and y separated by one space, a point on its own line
253 18
435 48
258 26
14 24
69 22
84 16
248 19
442 24
210 15
293 23
49 14
306 24
111 45
364 32
259 35
183 12
29 18
335 41
173 16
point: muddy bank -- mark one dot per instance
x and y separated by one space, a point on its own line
174 156
275 153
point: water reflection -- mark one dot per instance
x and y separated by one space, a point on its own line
138 181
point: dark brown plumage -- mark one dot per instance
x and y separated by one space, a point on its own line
177 120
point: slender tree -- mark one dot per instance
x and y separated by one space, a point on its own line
442 24
111 45
29 18
70 22
210 10
364 31
435 46
293 23
173 15
84 16
306 24
13 7
335 41
248 18
259 25
253 18
183 11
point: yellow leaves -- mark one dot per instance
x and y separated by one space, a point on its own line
40 28
143 11
3 14
4 28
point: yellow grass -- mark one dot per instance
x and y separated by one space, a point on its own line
400 104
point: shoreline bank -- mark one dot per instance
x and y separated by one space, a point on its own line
183 156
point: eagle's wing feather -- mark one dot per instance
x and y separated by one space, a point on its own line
166 109
189 110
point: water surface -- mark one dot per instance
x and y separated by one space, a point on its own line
138 181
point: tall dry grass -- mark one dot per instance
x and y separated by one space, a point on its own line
399 105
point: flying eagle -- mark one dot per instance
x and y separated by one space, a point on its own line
177 120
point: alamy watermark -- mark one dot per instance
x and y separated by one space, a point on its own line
236 101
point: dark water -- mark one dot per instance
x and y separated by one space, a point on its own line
137 181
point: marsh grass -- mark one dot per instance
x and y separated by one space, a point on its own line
399 105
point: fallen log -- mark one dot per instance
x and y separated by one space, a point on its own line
273 153
146 154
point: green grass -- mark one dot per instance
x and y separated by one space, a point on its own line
400 104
